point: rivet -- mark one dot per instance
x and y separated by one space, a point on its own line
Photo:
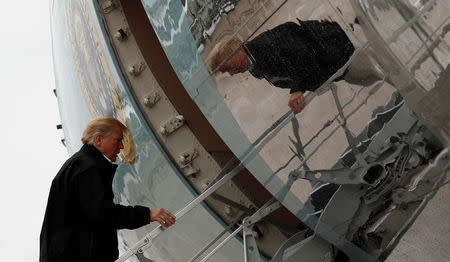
171 125
204 186
136 69
255 234
163 131
121 34
108 6
151 99
228 210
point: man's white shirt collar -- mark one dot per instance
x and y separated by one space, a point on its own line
108 159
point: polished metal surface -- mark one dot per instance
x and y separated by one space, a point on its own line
357 166
347 118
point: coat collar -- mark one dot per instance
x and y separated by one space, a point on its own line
99 157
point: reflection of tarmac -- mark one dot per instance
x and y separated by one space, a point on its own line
256 105
428 237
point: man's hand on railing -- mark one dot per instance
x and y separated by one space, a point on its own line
297 102
164 217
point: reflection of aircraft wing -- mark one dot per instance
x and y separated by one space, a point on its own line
345 178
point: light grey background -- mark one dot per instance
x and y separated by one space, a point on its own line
31 151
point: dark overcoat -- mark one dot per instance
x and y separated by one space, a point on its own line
300 56
81 220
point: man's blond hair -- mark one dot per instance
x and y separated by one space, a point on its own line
223 51
104 125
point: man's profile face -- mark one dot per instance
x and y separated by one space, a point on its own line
110 145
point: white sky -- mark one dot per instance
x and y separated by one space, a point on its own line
31 152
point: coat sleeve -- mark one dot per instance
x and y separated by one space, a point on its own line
98 210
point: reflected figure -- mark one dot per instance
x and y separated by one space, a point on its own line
299 57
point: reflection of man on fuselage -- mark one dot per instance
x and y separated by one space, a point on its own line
300 57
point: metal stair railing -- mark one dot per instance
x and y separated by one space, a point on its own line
146 242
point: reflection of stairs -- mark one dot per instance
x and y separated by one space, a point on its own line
297 248
290 242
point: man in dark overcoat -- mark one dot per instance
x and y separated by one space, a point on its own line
81 220
296 56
